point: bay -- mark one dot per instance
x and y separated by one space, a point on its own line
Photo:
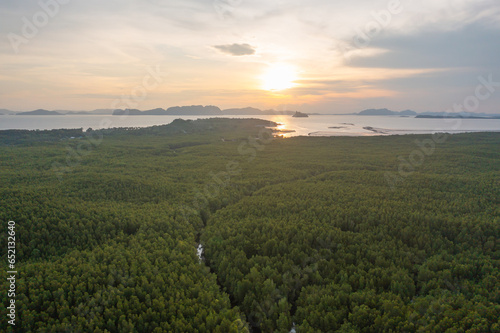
314 125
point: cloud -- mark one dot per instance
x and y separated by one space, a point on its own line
427 56
470 46
236 49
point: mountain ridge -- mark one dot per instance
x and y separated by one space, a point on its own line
211 110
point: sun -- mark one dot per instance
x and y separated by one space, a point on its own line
279 77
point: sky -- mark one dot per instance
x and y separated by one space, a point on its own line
324 56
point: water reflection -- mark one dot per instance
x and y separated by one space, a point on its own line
351 125
283 130
314 125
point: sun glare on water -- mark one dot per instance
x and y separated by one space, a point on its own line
279 77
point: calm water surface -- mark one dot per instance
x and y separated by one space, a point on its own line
343 125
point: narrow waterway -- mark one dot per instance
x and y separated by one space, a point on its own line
199 252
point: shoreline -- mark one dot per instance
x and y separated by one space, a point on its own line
336 125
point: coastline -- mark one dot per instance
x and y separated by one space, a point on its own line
316 125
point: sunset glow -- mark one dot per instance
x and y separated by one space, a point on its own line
279 77
314 56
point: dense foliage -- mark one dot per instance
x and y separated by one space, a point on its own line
304 231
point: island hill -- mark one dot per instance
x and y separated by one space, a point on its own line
40 112
4 112
300 115
431 115
386 112
193 110
199 110
211 110
470 116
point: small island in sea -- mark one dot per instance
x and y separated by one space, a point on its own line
40 112
455 116
300 115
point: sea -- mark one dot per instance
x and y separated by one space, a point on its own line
314 125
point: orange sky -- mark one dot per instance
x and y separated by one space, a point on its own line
314 56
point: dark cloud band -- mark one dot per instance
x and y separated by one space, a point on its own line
236 49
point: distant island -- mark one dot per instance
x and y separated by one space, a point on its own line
211 110
386 112
300 115
173 111
454 116
40 112
430 115
198 110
